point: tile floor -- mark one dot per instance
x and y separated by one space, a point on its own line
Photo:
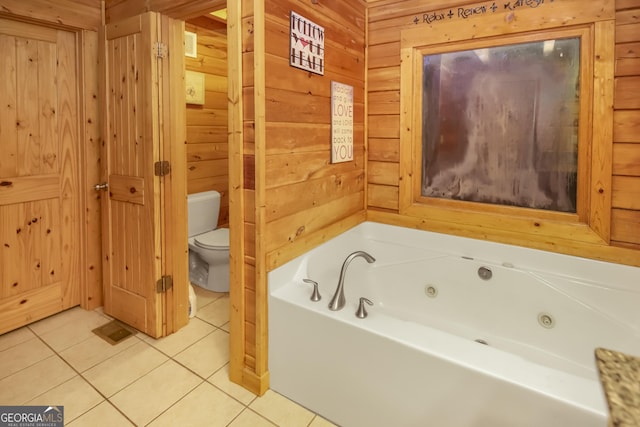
179 380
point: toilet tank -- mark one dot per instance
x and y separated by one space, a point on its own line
204 209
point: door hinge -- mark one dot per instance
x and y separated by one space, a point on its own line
164 283
161 50
162 168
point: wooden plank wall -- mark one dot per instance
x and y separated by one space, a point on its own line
308 198
625 215
293 197
388 17
207 145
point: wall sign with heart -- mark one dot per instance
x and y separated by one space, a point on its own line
307 44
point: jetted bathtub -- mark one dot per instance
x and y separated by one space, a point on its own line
461 332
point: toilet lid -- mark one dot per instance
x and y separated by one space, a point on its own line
214 239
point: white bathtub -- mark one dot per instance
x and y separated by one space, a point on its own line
414 361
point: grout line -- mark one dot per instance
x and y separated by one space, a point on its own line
176 402
256 413
139 337
84 379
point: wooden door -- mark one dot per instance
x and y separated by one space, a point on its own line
142 239
39 186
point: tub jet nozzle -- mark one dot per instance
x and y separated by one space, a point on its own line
485 273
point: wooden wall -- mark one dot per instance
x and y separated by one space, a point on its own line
386 20
304 193
207 145
293 197
625 215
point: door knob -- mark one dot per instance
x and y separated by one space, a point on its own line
101 187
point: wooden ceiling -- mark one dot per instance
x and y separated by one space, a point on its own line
178 9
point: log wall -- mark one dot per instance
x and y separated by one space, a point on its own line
292 196
207 145
625 213
387 18
304 193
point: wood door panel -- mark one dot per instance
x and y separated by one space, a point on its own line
8 115
39 179
27 123
128 189
126 27
131 308
28 188
132 147
31 246
19 310
132 252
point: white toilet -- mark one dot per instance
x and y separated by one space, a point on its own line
210 243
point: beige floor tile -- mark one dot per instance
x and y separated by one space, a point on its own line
68 328
76 395
175 343
103 415
204 406
248 418
205 296
16 337
152 394
281 411
207 355
94 350
226 327
31 382
216 313
124 368
55 321
100 310
318 421
23 355
221 380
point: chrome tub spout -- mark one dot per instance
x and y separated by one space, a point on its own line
338 301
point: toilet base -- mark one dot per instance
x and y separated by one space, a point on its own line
210 271
218 280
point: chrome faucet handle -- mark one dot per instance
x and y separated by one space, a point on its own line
315 296
361 313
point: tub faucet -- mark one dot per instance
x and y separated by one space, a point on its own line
338 301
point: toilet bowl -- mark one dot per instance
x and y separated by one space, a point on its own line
209 243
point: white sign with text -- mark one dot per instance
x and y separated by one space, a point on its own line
341 122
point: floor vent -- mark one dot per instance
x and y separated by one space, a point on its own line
114 332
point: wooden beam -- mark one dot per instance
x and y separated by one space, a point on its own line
192 9
236 194
208 22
